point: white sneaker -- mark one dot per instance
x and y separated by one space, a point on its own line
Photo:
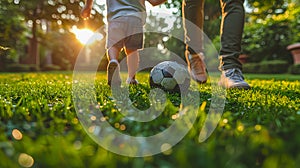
233 78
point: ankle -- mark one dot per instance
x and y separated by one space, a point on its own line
131 76
114 61
131 81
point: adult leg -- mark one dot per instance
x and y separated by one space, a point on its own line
193 19
232 25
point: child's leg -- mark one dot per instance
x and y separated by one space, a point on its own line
113 68
132 43
113 53
132 62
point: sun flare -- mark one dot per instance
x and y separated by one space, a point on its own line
86 36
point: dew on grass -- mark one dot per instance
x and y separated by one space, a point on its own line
17 134
91 129
257 127
240 128
225 120
117 125
93 118
94 129
14 108
166 148
102 119
122 127
75 121
25 160
175 116
77 145
50 105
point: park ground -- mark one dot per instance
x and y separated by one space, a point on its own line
39 126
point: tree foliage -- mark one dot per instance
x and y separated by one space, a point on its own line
42 17
265 9
60 13
12 30
267 39
270 26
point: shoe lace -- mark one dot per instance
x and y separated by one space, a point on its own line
235 74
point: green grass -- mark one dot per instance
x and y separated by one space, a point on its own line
288 77
259 127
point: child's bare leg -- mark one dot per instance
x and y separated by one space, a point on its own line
113 53
113 68
132 62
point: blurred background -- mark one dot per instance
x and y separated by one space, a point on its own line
47 35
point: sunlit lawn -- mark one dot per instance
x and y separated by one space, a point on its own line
39 126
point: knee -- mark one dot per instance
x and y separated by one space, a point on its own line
194 2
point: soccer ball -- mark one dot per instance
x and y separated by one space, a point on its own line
170 76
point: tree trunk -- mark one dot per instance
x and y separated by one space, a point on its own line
34 57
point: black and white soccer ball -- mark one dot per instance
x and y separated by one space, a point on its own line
170 76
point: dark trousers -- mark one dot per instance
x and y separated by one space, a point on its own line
231 30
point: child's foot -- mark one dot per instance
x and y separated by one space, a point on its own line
132 81
113 73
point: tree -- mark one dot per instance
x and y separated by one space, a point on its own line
11 33
53 15
266 9
267 38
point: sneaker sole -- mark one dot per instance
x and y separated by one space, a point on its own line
240 87
110 72
193 76
244 87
